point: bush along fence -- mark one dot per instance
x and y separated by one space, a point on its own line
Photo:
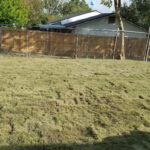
74 45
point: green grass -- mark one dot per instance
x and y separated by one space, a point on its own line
74 104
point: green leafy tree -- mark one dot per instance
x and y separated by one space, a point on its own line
53 6
74 6
50 17
12 11
117 4
36 11
138 12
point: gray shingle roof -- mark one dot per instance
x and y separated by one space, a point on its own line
88 19
67 17
57 22
72 24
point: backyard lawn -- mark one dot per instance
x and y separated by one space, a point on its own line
52 103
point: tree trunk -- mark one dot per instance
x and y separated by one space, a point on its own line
121 27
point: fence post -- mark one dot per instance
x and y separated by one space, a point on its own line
27 44
116 39
88 46
77 44
47 39
148 50
147 46
0 38
50 41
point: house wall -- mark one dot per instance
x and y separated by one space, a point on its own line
101 24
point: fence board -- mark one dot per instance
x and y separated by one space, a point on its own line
66 44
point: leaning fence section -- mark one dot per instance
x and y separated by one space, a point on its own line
69 44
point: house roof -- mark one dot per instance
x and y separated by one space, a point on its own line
75 19
79 18
71 24
67 17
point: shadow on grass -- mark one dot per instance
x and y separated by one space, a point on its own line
32 55
11 53
136 140
38 55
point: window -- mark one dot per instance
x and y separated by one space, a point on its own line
111 19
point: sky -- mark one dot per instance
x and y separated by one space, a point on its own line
102 8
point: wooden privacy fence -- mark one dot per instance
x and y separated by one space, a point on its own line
68 44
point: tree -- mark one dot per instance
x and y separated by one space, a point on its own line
13 12
138 12
117 4
36 11
74 6
53 6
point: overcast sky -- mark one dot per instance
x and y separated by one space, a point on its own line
102 8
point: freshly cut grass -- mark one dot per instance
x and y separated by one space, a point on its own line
74 104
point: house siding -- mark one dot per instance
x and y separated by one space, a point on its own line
94 28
